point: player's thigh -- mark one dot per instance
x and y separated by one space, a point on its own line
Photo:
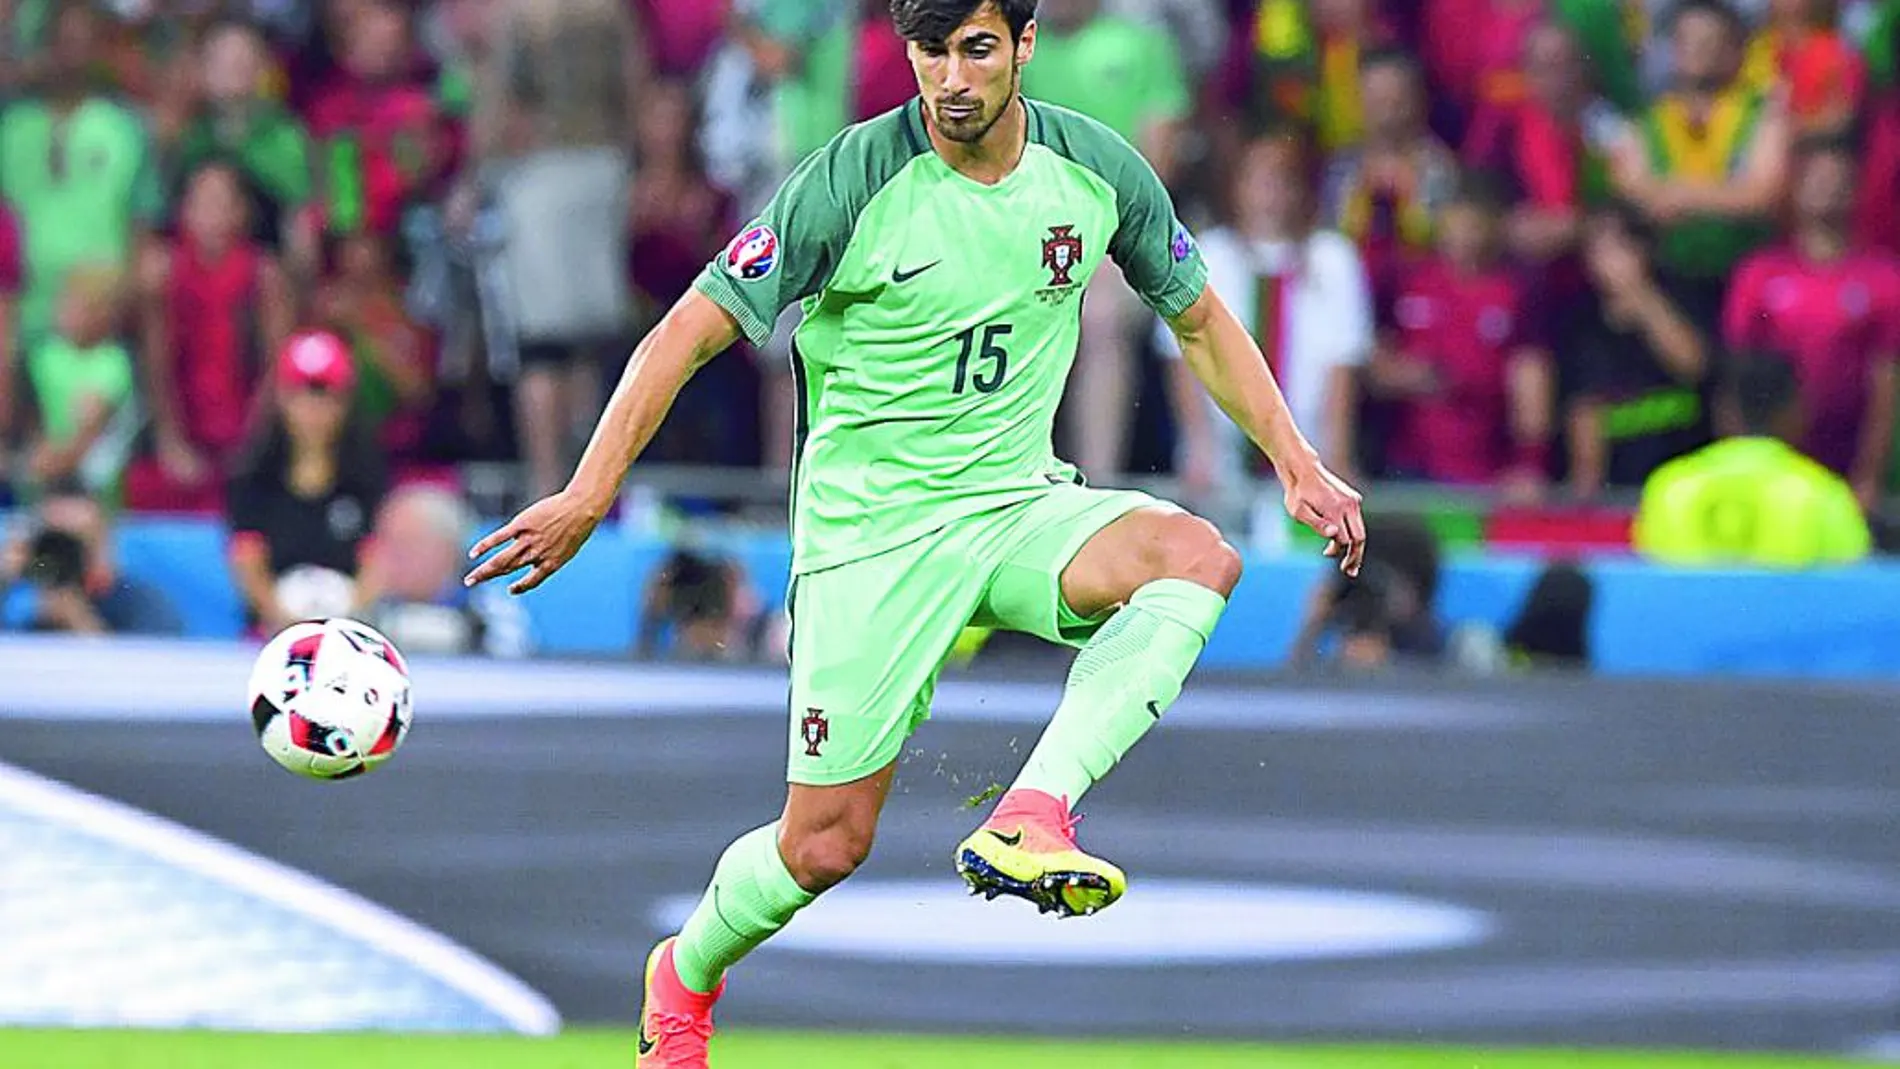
868 639
1025 592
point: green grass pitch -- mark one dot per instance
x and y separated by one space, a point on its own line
758 1050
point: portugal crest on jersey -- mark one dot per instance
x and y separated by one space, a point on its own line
753 254
1061 254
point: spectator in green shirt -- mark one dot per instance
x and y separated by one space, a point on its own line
77 168
1115 70
82 379
234 119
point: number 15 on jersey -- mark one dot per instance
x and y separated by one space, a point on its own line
987 350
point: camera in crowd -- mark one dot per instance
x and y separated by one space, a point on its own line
55 559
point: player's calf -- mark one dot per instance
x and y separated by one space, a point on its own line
826 831
822 859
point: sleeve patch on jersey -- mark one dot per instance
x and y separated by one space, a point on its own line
752 255
1183 245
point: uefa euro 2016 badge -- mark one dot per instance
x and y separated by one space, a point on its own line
752 255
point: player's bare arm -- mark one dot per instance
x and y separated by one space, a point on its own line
1227 360
548 533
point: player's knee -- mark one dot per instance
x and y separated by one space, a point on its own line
1192 549
820 860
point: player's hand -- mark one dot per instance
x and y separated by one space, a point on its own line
542 537
1321 500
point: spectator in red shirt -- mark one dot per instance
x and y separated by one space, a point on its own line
1472 386
1471 50
1803 50
681 38
1546 146
882 78
1877 207
1385 193
1834 312
213 303
380 131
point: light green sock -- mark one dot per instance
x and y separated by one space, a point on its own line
1120 684
751 896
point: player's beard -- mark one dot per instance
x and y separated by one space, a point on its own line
975 128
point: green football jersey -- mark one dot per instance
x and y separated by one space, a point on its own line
941 316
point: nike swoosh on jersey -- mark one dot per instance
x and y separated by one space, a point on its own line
1154 709
1014 838
901 276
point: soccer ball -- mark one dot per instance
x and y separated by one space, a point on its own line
330 698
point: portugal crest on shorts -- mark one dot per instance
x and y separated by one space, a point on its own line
814 730
1061 254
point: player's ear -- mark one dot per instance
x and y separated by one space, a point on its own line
1026 48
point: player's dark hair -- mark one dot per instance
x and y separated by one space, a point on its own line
1720 9
1762 386
933 21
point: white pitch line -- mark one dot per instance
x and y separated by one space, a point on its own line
120 680
430 952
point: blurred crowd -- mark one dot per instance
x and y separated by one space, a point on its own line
300 263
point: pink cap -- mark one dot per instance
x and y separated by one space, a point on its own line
316 359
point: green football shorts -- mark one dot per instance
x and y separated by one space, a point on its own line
869 637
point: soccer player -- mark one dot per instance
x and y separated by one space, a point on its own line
940 252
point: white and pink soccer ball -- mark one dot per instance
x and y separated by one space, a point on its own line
330 698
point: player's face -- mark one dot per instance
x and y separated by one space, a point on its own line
969 80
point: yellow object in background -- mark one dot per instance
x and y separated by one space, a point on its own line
969 644
1750 501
